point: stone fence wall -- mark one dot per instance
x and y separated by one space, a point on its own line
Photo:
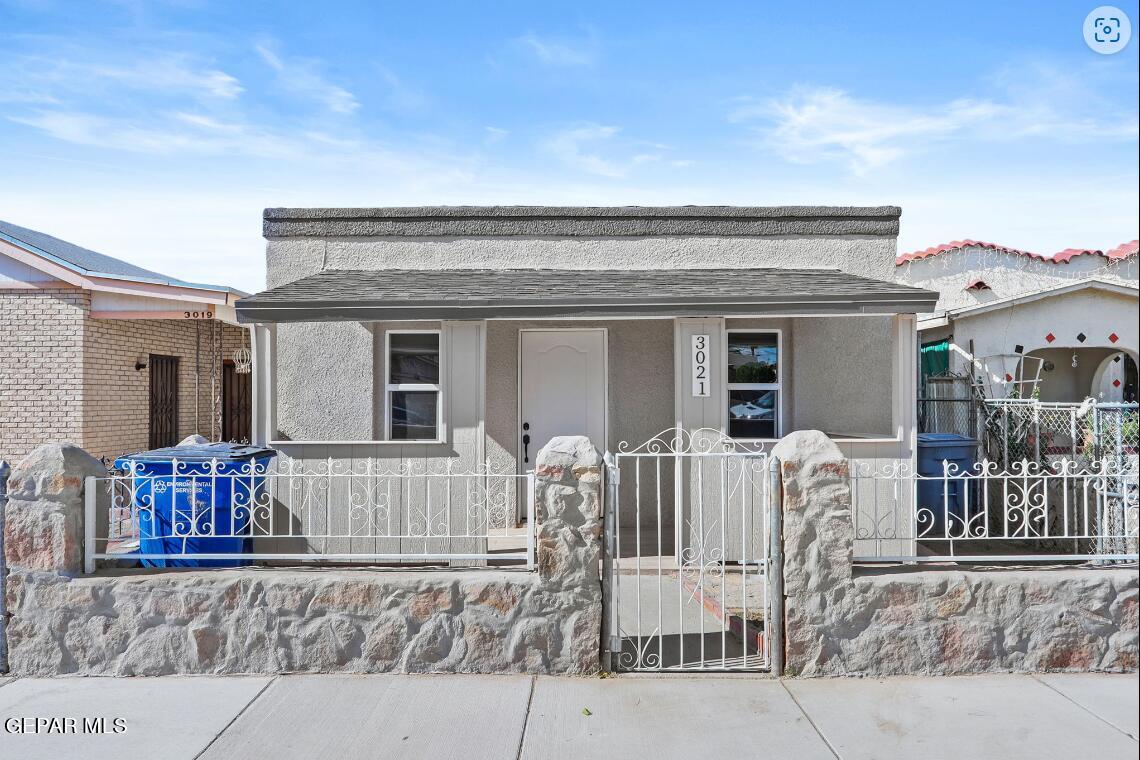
840 620
278 620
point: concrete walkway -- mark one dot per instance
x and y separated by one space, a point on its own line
488 717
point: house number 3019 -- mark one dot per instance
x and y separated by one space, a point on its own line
701 366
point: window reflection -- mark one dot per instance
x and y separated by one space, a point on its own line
752 414
413 358
753 358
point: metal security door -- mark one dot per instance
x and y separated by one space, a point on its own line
237 404
163 401
687 566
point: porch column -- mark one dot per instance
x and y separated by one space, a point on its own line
904 380
263 343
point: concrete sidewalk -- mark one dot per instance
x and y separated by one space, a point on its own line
477 717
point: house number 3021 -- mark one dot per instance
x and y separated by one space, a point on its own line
701 366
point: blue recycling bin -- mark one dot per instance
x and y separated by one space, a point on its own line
944 497
191 511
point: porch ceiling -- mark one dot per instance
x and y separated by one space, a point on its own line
545 293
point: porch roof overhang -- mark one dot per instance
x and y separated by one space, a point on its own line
392 295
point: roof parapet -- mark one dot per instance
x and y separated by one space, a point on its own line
582 221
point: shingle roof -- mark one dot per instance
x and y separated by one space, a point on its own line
536 293
1122 251
88 262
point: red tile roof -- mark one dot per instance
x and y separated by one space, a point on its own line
1122 251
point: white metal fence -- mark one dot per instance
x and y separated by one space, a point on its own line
687 562
1030 511
291 511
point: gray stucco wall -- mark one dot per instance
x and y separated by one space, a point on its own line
292 258
843 370
324 381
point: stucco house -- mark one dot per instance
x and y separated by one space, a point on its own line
1065 323
110 356
475 334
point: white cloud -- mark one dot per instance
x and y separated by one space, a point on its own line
555 52
820 124
178 133
71 72
170 73
300 76
600 149
571 146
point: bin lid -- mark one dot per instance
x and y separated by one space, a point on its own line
200 452
943 439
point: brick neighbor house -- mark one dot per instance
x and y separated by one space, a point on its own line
111 356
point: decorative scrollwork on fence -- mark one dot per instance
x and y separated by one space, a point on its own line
313 505
1072 506
688 442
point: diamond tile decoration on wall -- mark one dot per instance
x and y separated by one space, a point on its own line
1113 337
1008 377
1081 337
1115 383
1019 349
1050 338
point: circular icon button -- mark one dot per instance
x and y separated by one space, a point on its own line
1107 30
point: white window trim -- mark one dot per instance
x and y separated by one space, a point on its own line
776 386
389 387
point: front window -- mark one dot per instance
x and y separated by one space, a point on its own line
413 395
753 384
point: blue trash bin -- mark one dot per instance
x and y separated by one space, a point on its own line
192 512
944 497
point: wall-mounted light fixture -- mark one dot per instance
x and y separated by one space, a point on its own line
140 363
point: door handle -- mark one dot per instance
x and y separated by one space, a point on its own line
526 449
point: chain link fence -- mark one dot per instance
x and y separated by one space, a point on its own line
1012 430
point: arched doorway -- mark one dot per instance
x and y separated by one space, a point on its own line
1115 379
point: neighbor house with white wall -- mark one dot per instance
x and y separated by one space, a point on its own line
1064 323
115 358
476 334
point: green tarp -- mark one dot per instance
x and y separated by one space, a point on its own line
934 358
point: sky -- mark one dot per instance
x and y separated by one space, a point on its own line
158 131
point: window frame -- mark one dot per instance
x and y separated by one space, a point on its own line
437 388
776 386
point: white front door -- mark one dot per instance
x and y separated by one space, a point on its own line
562 389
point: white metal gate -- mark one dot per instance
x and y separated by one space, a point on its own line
688 566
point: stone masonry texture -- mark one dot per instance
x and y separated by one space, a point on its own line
843 621
65 377
278 620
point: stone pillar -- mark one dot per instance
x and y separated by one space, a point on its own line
818 546
43 520
568 495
